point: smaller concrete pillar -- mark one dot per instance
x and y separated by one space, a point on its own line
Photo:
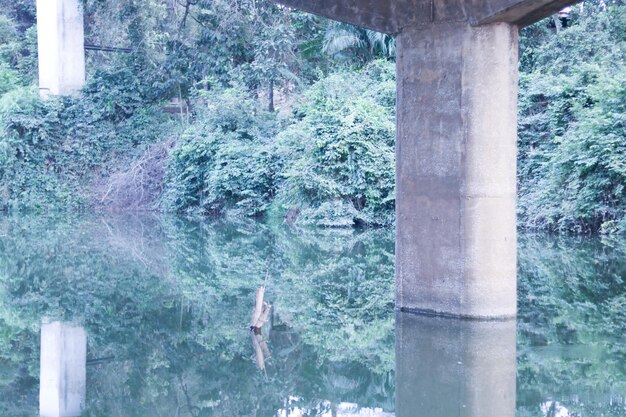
61 49
62 383
456 169
450 367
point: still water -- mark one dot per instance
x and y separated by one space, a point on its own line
150 316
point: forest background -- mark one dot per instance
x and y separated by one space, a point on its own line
244 108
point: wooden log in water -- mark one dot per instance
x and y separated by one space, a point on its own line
258 308
258 351
264 315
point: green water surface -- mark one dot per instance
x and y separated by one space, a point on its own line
166 304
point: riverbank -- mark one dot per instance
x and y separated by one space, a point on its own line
322 154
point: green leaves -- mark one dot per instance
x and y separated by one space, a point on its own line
572 127
224 163
55 150
333 164
344 170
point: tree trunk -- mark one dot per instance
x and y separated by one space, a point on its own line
270 97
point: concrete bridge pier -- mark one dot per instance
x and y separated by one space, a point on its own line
63 370
450 367
456 169
456 146
60 46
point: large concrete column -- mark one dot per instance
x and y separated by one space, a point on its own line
450 367
456 169
62 382
61 49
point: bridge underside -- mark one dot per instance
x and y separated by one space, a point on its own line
394 16
457 69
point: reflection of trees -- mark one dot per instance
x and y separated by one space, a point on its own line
572 323
171 299
67 270
340 292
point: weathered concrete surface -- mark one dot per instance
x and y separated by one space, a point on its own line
450 367
394 16
456 146
456 170
524 12
61 50
372 14
63 370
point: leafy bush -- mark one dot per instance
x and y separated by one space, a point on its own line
333 164
224 161
587 169
18 54
339 156
572 126
51 150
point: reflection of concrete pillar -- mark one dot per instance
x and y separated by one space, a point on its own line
63 370
449 367
61 48
456 169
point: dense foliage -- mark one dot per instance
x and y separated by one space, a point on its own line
225 160
339 153
53 152
572 152
331 164
284 114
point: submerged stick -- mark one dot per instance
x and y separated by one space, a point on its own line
258 352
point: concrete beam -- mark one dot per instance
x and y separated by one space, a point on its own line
523 13
371 14
62 382
453 367
393 16
456 170
60 39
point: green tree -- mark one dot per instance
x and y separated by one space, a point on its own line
572 136
339 157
